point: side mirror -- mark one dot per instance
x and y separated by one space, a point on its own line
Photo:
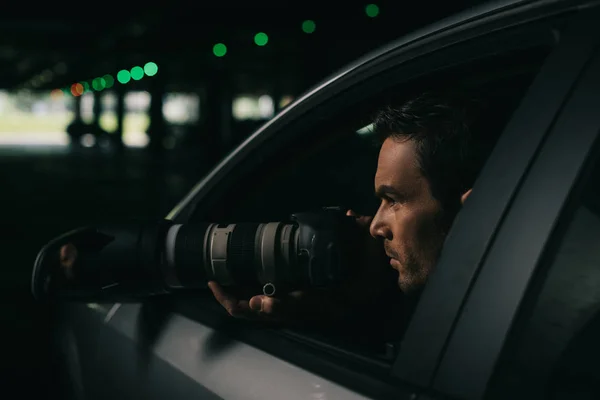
119 262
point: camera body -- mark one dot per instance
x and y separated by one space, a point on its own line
131 261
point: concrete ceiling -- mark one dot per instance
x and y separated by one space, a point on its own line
54 46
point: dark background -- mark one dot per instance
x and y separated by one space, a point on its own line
46 190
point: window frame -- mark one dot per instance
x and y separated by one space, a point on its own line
505 274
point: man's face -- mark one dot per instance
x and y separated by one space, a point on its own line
408 216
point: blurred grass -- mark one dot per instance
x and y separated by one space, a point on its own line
18 122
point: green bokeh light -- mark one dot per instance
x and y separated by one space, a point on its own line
123 76
261 39
219 49
98 84
109 81
86 87
309 26
372 10
137 73
151 68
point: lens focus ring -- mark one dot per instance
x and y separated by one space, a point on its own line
240 255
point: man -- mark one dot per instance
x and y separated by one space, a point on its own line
432 149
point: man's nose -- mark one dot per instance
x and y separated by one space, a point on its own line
378 227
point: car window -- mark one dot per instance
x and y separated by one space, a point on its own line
336 163
553 347
337 155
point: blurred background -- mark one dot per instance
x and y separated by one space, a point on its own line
116 110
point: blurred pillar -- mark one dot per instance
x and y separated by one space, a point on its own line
276 82
217 109
77 128
97 130
157 129
117 135
77 109
276 94
158 169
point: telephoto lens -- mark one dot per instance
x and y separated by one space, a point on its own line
130 261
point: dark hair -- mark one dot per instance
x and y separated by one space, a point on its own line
454 134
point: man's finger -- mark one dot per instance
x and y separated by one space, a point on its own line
255 303
235 308
225 299
361 220
266 306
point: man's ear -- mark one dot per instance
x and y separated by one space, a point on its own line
464 196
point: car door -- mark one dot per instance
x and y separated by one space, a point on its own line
528 326
192 350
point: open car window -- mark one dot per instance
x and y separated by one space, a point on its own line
335 164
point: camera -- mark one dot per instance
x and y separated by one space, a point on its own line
131 261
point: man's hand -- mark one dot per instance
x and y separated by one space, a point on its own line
363 221
257 307
313 305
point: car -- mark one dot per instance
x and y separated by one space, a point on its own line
512 309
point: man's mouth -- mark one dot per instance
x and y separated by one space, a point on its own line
393 260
